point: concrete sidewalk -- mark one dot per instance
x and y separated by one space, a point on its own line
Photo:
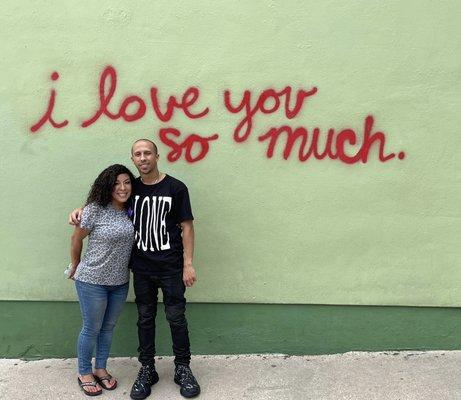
367 376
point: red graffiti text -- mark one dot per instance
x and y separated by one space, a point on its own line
167 136
49 111
268 102
334 147
344 145
138 107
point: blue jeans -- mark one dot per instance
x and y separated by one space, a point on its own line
101 306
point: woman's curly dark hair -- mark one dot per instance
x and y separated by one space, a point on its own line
101 190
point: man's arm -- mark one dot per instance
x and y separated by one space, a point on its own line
188 272
75 216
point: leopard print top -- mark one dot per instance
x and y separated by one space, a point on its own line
109 246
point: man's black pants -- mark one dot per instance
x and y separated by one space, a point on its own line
146 291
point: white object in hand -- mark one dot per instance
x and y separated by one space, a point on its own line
68 271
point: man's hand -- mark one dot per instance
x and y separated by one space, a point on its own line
75 216
188 275
188 272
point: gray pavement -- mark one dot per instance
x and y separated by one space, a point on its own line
355 375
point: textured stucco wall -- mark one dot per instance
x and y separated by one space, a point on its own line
268 229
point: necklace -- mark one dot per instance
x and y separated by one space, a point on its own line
154 182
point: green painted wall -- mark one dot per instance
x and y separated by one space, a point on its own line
51 328
268 230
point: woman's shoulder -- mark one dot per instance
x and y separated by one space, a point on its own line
94 209
91 214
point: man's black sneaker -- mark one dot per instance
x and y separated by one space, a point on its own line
147 376
183 376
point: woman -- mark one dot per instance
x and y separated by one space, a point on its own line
102 276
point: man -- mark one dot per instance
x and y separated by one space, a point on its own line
161 258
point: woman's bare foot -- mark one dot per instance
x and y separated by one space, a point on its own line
102 373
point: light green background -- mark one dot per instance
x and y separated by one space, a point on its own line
273 231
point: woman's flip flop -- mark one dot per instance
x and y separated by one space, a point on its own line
83 385
105 378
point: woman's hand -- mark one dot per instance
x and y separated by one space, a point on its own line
72 272
76 245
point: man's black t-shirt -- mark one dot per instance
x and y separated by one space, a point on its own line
158 211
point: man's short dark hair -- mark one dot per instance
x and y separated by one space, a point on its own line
145 140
